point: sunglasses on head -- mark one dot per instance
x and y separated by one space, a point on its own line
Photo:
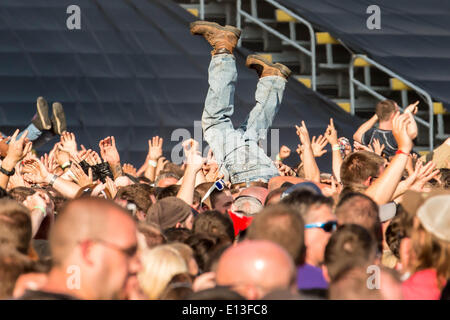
219 185
328 226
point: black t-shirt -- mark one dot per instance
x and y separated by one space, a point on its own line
384 136
45 295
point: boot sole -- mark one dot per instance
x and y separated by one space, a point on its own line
283 69
228 28
59 118
42 110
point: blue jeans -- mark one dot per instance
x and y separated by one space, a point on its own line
38 137
237 151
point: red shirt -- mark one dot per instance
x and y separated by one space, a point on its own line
240 222
422 285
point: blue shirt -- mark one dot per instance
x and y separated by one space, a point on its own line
310 277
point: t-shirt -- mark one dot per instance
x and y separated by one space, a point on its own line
310 277
422 285
45 295
384 136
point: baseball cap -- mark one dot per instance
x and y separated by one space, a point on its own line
303 186
167 212
412 200
387 211
434 214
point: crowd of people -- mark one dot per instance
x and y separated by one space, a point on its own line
80 224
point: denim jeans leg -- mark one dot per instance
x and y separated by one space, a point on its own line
33 132
268 96
38 137
217 127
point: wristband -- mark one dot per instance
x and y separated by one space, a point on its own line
42 209
66 164
152 163
278 157
336 147
53 179
6 172
401 152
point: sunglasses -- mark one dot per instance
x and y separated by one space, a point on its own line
219 185
128 252
328 226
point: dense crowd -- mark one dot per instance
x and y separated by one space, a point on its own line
76 223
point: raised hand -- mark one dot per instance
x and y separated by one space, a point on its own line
155 148
412 108
49 164
400 123
38 199
129 169
377 147
190 145
285 170
424 173
284 152
109 151
61 156
303 134
18 148
68 143
162 161
331 134
194 160
111 187
358 146
318 145
35 172
16 180
333 190
79 177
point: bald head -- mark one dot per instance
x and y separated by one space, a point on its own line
88 218
259 193
255 267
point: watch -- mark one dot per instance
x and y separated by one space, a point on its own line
6 172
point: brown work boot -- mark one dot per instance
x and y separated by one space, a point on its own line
266 68
222 39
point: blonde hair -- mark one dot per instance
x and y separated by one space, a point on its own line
160 264
184 250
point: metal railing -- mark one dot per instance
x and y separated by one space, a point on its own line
371 91
253 17
202 10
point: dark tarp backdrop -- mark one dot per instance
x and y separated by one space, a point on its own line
414 39
132 71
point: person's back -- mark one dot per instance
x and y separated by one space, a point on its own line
384 112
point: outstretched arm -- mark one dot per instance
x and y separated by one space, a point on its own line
110 154
155 146
312 171
382 190
331 136
194 163
18 149
364 128
35 172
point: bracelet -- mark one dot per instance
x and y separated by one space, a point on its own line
401 152
66 164
278 157
53 179
152 163
336 147
42 210
6 172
